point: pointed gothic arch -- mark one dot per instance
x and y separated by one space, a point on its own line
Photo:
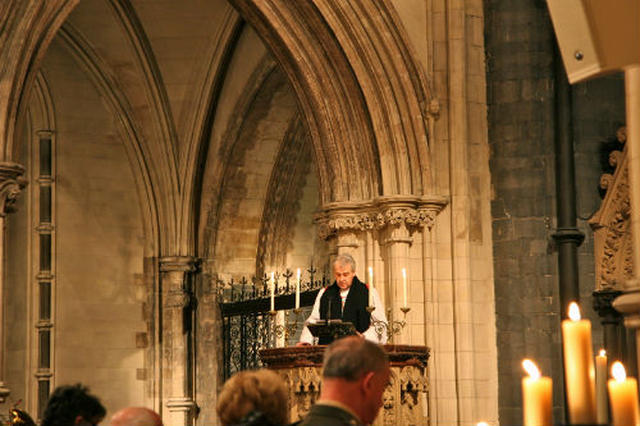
365 107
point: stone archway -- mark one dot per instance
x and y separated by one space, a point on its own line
360 90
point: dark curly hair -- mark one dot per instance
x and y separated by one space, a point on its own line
68 402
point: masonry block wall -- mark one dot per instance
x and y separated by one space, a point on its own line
520 93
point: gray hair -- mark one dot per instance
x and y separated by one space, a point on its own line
345 259
352 357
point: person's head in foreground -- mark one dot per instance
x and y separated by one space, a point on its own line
136 416
253 397
72 405
355 374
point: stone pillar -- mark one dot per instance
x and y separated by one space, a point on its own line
397 242
629 306
10 186
176 283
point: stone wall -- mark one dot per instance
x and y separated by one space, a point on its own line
520 95
99 334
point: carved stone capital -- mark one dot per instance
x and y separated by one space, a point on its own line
175 272
603 305
628 304
398 233
392 211
10 187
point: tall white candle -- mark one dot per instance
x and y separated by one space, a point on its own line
578 366
298 289
404 288
370 286
623 394
602 405
536 396
273 289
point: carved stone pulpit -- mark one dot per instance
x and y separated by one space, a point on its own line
404 400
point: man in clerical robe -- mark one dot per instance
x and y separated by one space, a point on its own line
347 299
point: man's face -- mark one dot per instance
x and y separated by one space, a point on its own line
375 390
344 275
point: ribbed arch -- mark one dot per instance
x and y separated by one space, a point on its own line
27 31
360 89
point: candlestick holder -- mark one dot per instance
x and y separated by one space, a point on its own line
284 330
391 327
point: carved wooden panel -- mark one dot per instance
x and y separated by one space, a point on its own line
404 401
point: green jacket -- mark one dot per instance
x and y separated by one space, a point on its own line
327 415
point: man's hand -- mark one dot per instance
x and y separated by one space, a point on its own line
300 344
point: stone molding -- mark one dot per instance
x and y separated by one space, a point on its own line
628 304
391 211
180 404
612 226
177 263
176 270
10 187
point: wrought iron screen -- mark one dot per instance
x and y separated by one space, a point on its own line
247 324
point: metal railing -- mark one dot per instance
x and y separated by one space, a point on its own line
245 307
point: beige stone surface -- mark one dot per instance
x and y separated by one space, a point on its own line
182 134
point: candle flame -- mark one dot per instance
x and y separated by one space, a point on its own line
618 372
404 273
531 368
602 352
482 424
574 311
370 271
298 273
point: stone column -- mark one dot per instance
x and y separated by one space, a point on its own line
397 242
611 321
176 283
10 187
629 306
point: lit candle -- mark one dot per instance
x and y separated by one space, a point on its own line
298 289
623 394
370 286
578 367
273 290
404 287
602 407
536 396
482 424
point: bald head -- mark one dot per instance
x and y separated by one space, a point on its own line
136 416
